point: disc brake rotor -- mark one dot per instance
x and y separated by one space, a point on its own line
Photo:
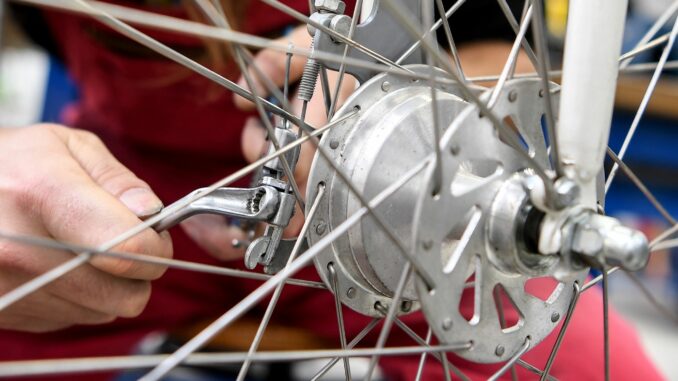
472 238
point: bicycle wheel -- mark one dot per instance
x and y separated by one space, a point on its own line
427 190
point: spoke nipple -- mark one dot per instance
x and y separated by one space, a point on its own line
513 96
427 245
350 292
555 317
406 306
499 351
541 93
334 144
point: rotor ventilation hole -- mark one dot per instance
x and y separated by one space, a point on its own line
546 289
469 303
510 317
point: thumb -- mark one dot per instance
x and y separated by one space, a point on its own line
89 198
93 156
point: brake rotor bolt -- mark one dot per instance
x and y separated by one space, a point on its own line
555 317
386 86
512 96
350 292
334 143
499 351
321 228
447 324
406 306
427 245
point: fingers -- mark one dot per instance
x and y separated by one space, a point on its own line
93 156
214 235
253 140
85 286
272 64
71 189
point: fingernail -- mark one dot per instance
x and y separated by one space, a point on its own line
141 201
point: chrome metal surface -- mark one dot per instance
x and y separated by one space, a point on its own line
474 231
255 204
380 32
391 136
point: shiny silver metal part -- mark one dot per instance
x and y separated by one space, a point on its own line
380 31
392 135
471 235
254 204
604 242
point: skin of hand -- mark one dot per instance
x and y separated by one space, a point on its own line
63 184
478 58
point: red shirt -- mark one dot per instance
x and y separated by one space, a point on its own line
178 131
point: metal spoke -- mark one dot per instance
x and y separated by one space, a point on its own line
512 361
257 295
100 364
177 25
650 45
639 184
447 366
340 316
357 9
433 29
149 259
44 279
664 245
543 67
134 34
508 14
422 359
668 313
559 340
533 369
278 290
643 104
506 133
598 279
659 23
219 20
511 62
356 340
450 40
390 316
436 126
337 36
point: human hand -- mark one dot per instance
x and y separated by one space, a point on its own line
63 184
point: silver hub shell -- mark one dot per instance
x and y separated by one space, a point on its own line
392 134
